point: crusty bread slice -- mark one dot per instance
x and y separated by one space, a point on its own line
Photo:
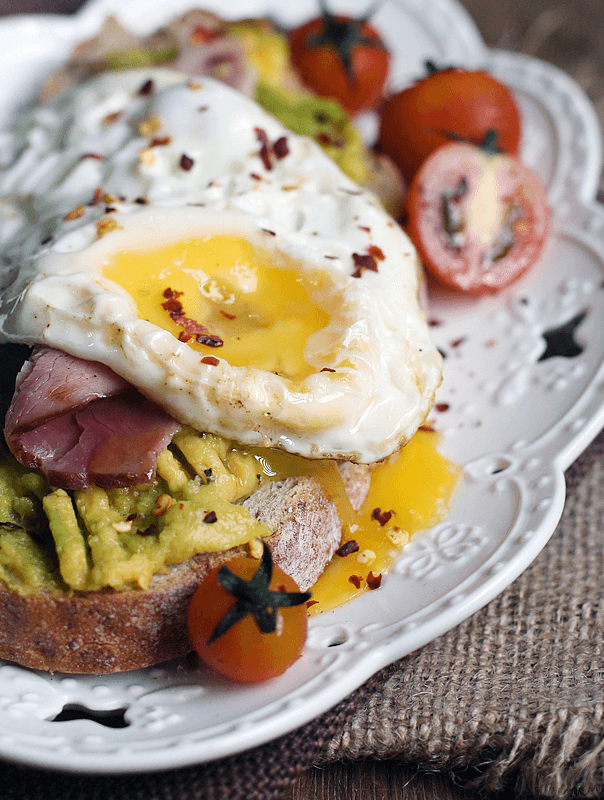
113 631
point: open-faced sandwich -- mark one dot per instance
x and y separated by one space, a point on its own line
227 335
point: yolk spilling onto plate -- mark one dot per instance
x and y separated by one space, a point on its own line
415 485
255 313
262 315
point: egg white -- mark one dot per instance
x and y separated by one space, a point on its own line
54 292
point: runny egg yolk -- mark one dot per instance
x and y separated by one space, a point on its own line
409 492
255 313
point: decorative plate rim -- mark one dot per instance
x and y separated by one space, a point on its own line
530 470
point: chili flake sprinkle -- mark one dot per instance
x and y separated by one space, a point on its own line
212 360
265 153
281 148
191 327
374 581
210 517
351 546
186 162
381 516
355 580
363 262
146 88
376 252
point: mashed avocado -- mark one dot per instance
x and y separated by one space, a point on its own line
322 119
120 537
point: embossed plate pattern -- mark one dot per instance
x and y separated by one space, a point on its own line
514 418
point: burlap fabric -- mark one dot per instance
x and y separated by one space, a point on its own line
514 694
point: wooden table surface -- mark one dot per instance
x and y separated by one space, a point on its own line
570 34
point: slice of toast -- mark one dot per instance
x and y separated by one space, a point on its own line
112 631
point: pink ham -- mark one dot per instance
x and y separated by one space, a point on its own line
52 383
81 424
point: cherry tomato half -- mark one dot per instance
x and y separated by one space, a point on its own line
478 220
452 104
341 58
244 653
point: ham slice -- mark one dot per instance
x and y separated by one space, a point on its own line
80 424
52 383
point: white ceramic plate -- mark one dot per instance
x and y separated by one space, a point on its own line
513 421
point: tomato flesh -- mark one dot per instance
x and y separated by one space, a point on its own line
453 104
358 85
244 653
479 221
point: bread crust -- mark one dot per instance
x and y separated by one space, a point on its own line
111 631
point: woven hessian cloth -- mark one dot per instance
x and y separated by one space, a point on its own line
517 691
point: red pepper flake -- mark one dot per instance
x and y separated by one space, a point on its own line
376 252
355 580
327 369
210 517
209 339
110 118
159 141
141 201
146 88
374 581
364 228
265 153
226 314
97 196
324 139
212 360
186 162
130 517
351 546
457 342
281 148
442 407
271 233
312 603
191 327
381 516
255 176
203 108
363 262
184 337
427 428
148 531
434 323
94 156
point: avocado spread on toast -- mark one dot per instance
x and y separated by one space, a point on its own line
118 538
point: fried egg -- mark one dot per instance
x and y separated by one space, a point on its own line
175 231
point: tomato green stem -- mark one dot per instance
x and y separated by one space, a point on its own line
255 598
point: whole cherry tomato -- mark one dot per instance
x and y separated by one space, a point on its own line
447 105
224 624
341 58
478 219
